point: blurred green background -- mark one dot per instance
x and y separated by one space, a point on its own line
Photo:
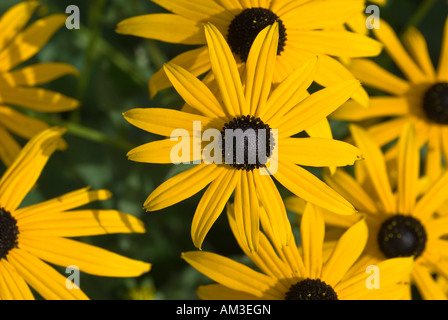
114 73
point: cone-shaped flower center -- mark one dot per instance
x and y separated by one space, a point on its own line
435 103
311 289
402 236
247 143
245 27
8 233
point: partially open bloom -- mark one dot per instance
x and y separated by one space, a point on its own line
292 273
305 31
35 236
401 214
17 45
420 99
247 106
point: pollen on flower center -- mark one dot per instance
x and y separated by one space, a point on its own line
245 27
311 289
402 236
247 143
435 103
8 232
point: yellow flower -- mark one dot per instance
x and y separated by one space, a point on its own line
402 221
17 85
304 33
37 233
250 104
294 273
420 99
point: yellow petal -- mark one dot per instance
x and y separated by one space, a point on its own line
212 204
30 41
9 148
164 27
88 258
50 284
442 70
312 230
260 68
12 285
21 176
226 71
310 188
229 273
348 249
14 19
416 45
220 292
20 124
426 285
78 223
319 152
432 199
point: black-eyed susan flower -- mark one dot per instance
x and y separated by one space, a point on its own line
292 273
249 107
305 31
402 220
35 236
17 85
420 99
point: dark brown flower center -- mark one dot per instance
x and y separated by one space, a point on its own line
402 236
435 103
311 289
247 143
8 232
245 27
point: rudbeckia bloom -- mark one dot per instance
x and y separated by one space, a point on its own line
35 236
305 31
292 273
402 220
17 45
247 106
420 99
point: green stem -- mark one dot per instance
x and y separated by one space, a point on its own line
419 15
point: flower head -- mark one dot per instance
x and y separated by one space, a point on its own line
248 107
33 236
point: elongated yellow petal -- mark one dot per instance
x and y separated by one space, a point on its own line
319 152
196 61
12 285
229 273
39 73
315 108
212 204
87 258
376 167
30 41
379 107
348 249
373 75
182 186
336 43
164 27
59 204
50 284
351 190
38 99
20 124
20 177
260 68
195 93
312 230
426 285
408 171
9 148
416 44
433 198
14 19
166 122
220 292
290 91
226 71
78 223
310 188
398 54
